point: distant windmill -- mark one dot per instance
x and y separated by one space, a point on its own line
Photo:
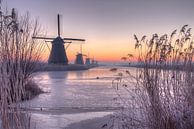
79 57
88 60
58 51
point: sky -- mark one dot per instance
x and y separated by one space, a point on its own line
107 25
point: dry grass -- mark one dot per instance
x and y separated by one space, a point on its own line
19 54
31 90
162 91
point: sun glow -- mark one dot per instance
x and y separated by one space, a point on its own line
105 51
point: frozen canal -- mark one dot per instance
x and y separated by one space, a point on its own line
71 97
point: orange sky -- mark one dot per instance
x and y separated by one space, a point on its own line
104 51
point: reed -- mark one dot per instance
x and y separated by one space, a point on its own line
19 55
162 90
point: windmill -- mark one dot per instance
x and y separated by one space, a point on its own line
79 57
58 50
88 60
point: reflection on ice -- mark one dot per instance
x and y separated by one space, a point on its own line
74 88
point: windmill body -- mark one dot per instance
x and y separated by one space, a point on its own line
79 59
88 62
58 53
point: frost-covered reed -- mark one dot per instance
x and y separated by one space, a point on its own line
19 54
162 90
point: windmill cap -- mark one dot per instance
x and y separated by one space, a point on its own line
58 40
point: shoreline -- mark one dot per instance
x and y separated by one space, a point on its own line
104 122
69 110
69 67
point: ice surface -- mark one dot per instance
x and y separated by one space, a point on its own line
82 90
